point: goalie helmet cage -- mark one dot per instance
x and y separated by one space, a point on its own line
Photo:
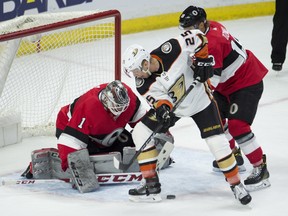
48 60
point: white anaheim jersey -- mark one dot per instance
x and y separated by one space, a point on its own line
175 76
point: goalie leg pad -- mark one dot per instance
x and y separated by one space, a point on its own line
162 138
164 159
82 171
128 153
46 164
41 163
164 144
103 163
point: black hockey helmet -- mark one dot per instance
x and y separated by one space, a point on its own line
192 16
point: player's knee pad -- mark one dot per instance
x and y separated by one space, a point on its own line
140 134
238 127
222 152
219 146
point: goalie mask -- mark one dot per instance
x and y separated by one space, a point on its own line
115 97
133 58
192 17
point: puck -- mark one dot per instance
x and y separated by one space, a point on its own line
171 196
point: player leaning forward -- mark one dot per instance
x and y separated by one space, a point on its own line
90 131
171 75
238 87
94 122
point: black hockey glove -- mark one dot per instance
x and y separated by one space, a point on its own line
203 68
165 117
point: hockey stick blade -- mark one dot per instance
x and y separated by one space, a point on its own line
108 178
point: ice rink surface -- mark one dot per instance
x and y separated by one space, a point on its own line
198 190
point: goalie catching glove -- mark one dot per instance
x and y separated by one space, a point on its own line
203 68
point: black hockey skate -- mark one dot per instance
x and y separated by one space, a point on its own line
239 160
259 178
241 194
148 191
277 66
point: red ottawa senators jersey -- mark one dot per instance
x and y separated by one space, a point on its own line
235 67
86 119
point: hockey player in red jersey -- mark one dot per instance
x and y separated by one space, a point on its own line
163 78
93 128
97 119
238 87
94 124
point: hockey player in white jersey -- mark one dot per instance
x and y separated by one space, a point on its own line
163 77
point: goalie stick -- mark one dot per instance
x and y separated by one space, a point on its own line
108 178
121 166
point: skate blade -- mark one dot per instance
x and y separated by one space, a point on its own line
261 185
144 198
241 169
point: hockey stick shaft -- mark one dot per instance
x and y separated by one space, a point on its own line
108 178
125 167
